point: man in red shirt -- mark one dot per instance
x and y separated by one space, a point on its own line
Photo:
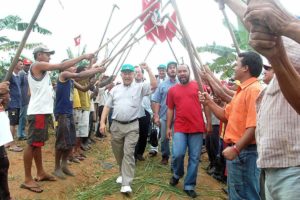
189 127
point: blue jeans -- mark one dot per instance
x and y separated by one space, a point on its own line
243 175
194 143
22 122
282 183
164 142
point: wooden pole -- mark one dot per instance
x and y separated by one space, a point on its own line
145 11
172 50
149 52
188 44
105 30
23 41
235 43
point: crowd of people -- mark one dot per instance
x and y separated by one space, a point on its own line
251 130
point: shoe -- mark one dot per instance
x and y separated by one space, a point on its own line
174 181
140 157
152 153
119 180
126 189
164 161
191 193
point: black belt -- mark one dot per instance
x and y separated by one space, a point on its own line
250 145
125 122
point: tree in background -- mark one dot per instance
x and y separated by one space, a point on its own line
8 46
224 63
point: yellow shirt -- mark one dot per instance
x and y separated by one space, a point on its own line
76 100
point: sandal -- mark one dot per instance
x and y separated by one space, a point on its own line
45 178
35 189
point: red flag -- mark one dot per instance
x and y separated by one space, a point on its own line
170 28
77 40
155 19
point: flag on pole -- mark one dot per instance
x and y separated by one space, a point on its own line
170 28
77 40
154 20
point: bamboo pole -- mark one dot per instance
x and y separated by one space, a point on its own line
145 11
187 41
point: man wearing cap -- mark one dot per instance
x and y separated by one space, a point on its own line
126 99
25 94
162 70
15 103
39 110
160 109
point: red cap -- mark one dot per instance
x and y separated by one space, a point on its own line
27 62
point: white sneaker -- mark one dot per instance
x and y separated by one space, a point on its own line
119 180
126 189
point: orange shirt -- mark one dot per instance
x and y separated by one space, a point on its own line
241 112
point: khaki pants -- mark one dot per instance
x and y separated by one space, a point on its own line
124 139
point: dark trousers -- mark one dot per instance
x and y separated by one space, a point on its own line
212 145
144 125
100 110
4 165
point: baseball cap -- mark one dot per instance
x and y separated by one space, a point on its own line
127 67
162 66
43 49
27 61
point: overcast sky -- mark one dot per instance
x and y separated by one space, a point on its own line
88 18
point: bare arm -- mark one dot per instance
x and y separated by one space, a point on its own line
288 79
268 22
82 88
230 153
39 67
82 75
156 107
170 114
218 111
103 118
207 113
219 91
153 81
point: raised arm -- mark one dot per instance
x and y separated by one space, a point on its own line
45 66
153 81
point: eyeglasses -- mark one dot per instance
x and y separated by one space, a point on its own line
268 68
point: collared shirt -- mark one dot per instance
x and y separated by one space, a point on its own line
126 100
240 112
160 96
278 130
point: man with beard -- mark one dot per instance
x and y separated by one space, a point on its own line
126 99
189 127
240 115
160 109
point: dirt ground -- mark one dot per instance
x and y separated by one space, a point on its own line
89 172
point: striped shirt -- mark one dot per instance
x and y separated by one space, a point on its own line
277 131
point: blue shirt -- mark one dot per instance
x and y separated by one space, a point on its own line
14 92
24 87
64 97
160 96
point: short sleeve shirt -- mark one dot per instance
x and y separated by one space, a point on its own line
126 100
184 99
241 111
